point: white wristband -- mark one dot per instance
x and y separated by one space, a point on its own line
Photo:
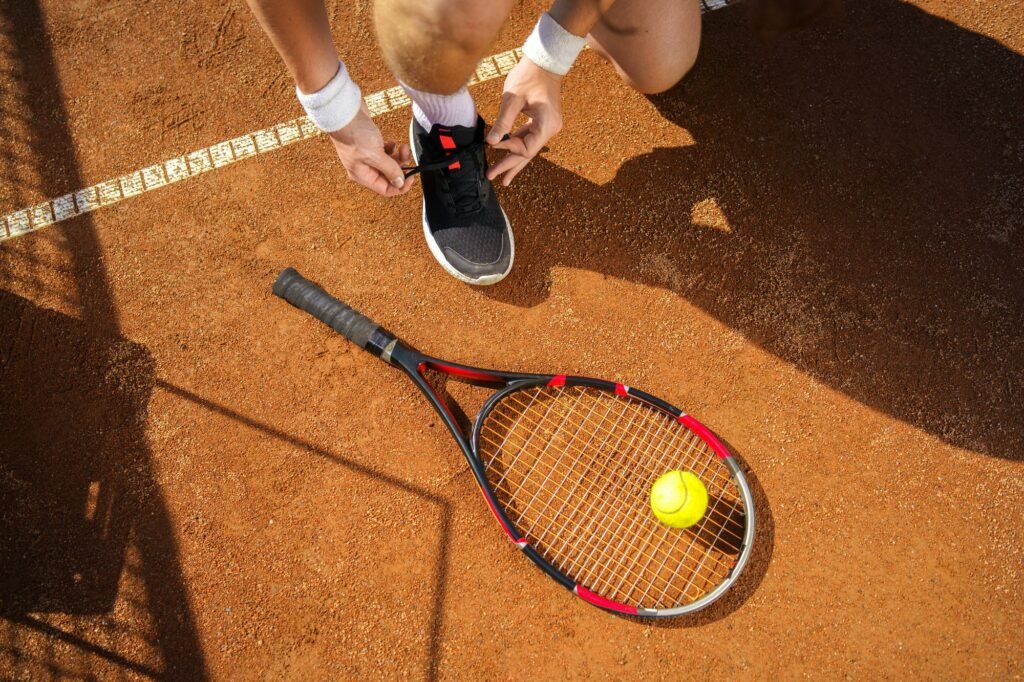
333 106
551 47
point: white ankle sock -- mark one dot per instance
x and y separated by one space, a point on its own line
457 109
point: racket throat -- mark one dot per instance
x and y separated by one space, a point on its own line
386 352
382 344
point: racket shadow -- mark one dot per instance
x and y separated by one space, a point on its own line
757 565
440 382
718 530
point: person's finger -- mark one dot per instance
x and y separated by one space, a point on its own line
511 106
406 186
506 180
404 155
387 167
372 179
505 163
533 142
512 168
514 144
383 186
537 136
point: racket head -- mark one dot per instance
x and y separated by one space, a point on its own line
568 464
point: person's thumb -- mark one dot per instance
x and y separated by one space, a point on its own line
387 167
511 106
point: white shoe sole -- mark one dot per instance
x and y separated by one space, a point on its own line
435 248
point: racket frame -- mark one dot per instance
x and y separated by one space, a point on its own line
389 348
377 341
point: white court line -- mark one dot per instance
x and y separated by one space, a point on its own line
201 161
225 153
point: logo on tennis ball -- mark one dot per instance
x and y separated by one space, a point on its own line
679 499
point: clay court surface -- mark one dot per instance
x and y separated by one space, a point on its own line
813 245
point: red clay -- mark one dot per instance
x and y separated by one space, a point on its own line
812 245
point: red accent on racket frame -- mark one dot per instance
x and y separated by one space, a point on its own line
705 435
598 600
557 381
508 531
420 369
620 389
461 372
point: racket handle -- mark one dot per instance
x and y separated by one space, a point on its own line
307 296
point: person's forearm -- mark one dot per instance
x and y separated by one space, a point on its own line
579 16
561 33
301 34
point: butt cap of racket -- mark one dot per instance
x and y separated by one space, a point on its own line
679 499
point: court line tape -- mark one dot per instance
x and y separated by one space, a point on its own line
116 190
219 155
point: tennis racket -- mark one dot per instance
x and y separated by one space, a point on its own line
566 465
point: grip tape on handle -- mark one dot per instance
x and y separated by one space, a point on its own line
304 295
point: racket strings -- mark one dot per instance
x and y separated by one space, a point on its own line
599 427
618 488
586 559
591 572
736 534
650 415
580 559
613 486
573 468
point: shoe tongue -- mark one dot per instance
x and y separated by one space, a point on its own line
463 136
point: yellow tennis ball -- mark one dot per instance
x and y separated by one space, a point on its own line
679 499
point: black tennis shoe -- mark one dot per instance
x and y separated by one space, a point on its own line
466 228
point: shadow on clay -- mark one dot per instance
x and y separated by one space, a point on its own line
851 204
441 564
86 543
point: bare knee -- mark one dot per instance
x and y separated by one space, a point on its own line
436 44
467 26
653 44
662 77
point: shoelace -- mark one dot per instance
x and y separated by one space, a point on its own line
464 186
442 163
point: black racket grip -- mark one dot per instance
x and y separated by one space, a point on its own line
304 295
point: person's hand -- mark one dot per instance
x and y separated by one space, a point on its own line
536 93
370 160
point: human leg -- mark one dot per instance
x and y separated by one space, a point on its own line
433 47
651 43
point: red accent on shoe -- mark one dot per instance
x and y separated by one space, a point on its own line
447 142
455 166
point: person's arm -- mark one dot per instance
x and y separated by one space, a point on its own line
579 16
301 33
534 86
